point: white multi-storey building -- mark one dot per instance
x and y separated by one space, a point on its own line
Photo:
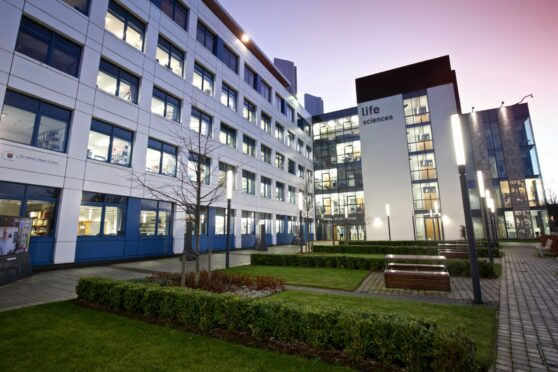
93 92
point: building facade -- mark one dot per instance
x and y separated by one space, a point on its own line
94 93
394 151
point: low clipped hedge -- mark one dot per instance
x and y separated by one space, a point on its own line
428 243
389 249
455 267
413 343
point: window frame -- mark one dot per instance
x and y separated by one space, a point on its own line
165 97
248 186
230 58
263 151
127 17
157 209
172 50
104 204
249 145
230 133
119 72
163 148
83 10
231 95
99 124
207 77
205 33
202 118
175 5
265 185
249 111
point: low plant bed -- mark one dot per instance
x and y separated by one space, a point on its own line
428 243
320 277
406 341
391 249
221 281
455 267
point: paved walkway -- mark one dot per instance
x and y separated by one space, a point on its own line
59 285
528 314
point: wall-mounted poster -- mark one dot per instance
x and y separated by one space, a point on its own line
15 235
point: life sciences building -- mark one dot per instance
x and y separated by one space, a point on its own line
91 93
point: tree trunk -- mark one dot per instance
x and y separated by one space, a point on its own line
197 222
183 271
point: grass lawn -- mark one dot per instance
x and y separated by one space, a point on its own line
321 277
479 322
63 336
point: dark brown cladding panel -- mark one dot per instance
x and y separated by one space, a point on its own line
231 24
406 79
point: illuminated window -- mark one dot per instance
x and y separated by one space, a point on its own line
124 25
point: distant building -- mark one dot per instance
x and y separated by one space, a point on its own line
314 105
288 69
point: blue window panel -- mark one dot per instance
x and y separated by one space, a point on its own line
175 10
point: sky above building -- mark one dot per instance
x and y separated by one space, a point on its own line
501 50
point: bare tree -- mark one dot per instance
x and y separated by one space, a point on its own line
551 196
191 191
308 194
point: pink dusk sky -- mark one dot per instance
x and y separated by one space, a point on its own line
501 50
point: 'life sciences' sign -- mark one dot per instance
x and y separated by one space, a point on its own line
373 114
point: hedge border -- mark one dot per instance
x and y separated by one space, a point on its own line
388 249
413 343
429 243
455 267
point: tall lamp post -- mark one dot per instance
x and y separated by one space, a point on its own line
460 159
230 179
437 217
300 208
482 193
332 225
346 225
389 222
490 216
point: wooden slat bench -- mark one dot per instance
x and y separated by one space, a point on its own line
417 272
453 250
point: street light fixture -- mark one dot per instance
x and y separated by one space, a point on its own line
300 207
482 193
346 224
388 221
460 159
229 186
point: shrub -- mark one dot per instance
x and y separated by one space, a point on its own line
415 344
431 243
221 281
390 249
455 267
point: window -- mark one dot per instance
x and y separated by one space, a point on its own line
309 152
48 47
291 168
155 218
249 146
124 25
419 138
80 5
118 82
279 161
249 111
165 105
101 215
265 187
280 224
250 76
227 135
223 169
423 167
33 122
248 223
416 110
290 140
200 122
230 59
174 10
201 164
266 154
265 123
228 96
280 103
292 195
109 144
221 221
265 90
301 171
161 158
203 221
279 132
170 56
35 202
280 191
203 79
289 112
248 182
206 37
300 147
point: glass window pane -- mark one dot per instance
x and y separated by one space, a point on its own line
198 80
89 220
51 134
125 90
157 106
153 161
65 56
163 226
17 124
176 65
113 220
9 207
169 164
107 82
134 37
42 213
162 56
31 44
115 25
121 151
98 146
147 223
